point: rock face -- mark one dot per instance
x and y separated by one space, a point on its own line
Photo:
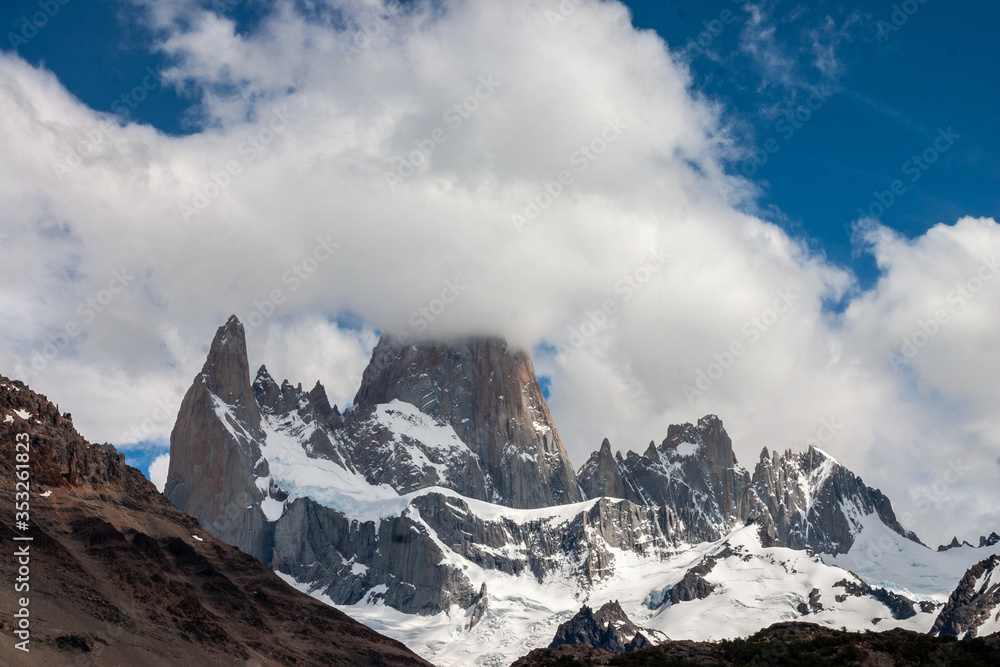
119 576
601 476
984 541
609 629
798 499
694 471
807 499
974 608
489 395
214 461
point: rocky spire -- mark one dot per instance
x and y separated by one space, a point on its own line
600 476
214 452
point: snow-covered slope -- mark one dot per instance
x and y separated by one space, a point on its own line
883 558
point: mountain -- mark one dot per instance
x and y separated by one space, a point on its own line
799 499
116 574
974 608
489 396
441 509
608 629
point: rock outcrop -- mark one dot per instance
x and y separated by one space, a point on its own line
808 500
601 475
608 629
798 499
975 603
695 472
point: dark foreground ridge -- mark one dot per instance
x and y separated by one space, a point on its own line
787 645
119 576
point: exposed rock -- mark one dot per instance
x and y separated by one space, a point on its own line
600 475
954 544
694 471
813 605
120 576
396 557
489 395
479 607
975 602
609 629
803 497
214 463
899 606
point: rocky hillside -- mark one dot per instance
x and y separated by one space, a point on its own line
118 575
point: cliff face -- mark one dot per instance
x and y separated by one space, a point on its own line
118 575
807 499
489 395
214 453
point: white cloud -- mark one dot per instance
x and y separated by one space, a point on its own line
305 211
158 471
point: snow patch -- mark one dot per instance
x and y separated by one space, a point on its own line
687 449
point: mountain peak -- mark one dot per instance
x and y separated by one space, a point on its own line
488 393
600 475
227 371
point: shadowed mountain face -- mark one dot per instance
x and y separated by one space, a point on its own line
121 576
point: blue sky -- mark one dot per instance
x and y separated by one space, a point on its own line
797 120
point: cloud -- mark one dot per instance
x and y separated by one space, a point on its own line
158 471
466 168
